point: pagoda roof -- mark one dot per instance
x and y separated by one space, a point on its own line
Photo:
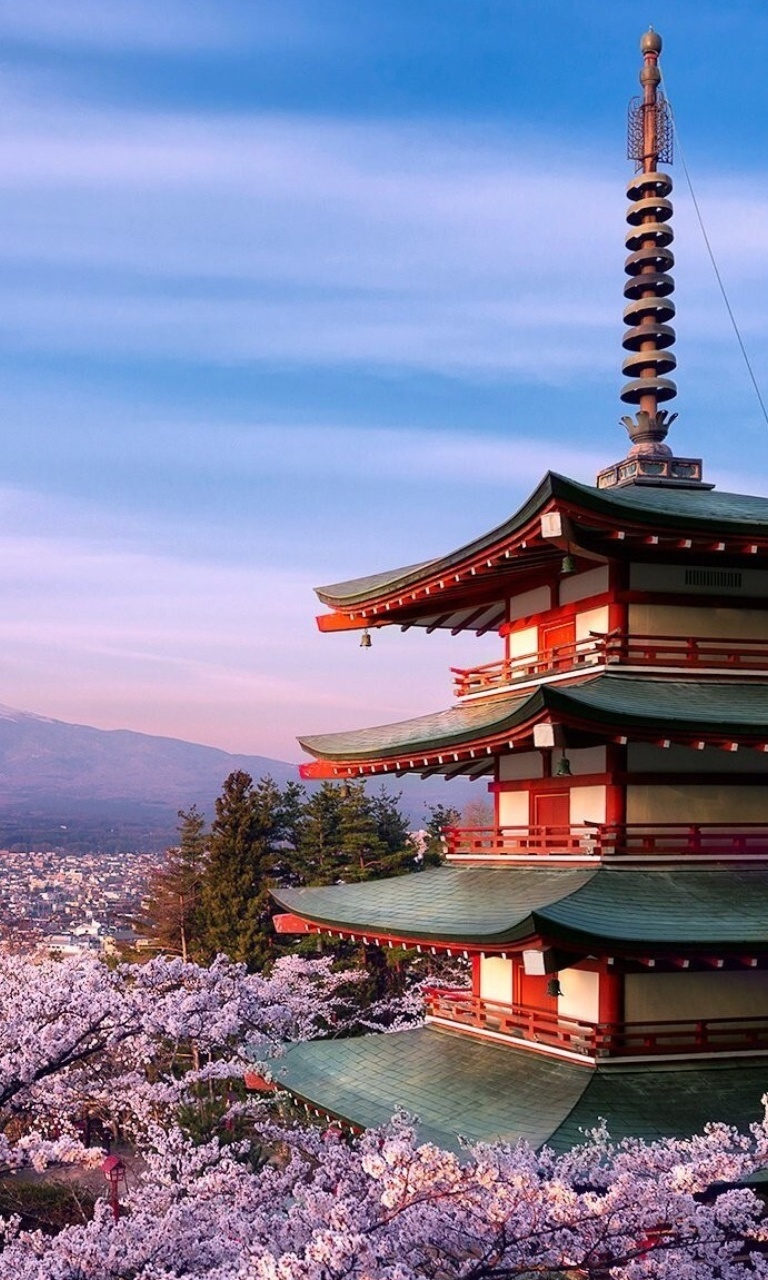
481 1091
520 546
607 702
489 908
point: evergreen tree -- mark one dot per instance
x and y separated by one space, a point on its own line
172 916
317 858
247 845
391 826
347 835
290 817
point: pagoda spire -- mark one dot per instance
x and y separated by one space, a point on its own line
649 337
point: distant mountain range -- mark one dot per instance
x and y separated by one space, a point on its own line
75 787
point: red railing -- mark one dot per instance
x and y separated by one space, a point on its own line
679 652
684 1036
527 666
605 840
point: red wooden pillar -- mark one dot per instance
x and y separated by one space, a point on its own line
616 793
618 609
611 1005
476 976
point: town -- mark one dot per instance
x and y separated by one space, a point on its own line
66 903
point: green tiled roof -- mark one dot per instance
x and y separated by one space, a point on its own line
686 908
460 1086
689 509
423 733
473 904
656 703
611 700
492 906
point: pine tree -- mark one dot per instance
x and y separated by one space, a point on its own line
348 835
172 905
247 843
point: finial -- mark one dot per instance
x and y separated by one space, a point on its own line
649 336
650 42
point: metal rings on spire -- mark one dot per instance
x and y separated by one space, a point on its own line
649 307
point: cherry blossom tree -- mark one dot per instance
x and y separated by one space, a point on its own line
385 1208
75 1032
317 1204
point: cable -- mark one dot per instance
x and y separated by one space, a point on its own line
715 268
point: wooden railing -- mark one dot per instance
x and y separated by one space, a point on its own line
688 653
683 1036
710 840
527 666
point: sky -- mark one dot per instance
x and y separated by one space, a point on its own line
297 290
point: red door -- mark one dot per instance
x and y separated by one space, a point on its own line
550 818
530 991
551 809
556 642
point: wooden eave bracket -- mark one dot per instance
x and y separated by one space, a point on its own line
558 530
343 622
287 922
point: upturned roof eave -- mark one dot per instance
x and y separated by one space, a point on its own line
736 515
627 912
503 715
359 592
604 704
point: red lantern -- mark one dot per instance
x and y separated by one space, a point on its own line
114 1171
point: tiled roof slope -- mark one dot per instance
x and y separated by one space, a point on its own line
689 509
461 1087
485 906
662 703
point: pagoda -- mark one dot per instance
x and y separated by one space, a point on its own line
615 916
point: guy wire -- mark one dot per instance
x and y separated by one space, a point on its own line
713 260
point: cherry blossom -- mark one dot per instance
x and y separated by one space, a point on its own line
293 1202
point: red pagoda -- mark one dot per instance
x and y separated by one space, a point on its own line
616 914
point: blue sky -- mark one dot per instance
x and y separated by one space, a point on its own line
292 290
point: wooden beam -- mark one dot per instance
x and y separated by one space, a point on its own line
287 922
342 622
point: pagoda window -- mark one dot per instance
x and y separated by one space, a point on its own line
731 805
691 620
645 757
592 620
529 603
513 809
521 765
676 579
523 643
496 979
580 996
664 996
587 804
583 585
587 759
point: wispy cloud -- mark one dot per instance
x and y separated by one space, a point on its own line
143 26
133 640
279 238
283 238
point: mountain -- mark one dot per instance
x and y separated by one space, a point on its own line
76 787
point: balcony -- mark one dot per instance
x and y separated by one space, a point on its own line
592 1040
687 654
625 842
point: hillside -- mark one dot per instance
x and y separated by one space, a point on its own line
74 786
